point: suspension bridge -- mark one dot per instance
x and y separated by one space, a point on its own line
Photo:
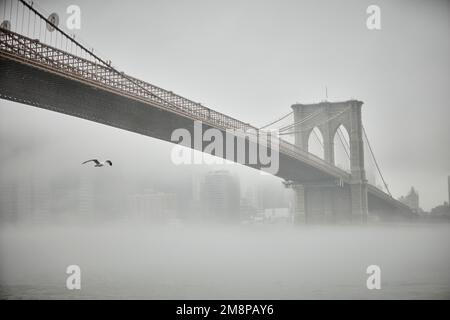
45 66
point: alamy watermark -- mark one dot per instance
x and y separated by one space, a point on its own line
249 147
374 279
73 21
73 281
373 21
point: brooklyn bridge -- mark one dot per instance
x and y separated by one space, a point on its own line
43 66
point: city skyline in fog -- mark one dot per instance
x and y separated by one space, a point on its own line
253 61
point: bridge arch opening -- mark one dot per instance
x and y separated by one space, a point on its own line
341 142
315 143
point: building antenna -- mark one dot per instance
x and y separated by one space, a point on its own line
326 93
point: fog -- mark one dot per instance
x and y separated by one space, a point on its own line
210 262
123 256
253 60
143 228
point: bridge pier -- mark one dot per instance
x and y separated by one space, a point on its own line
359 206
333 203
324 203
299 204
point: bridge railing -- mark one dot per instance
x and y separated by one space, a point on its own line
37 52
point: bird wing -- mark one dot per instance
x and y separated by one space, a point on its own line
109 161
93 160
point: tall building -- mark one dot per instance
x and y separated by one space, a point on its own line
152 206
271 193
411 199
221 196
86 201
443 210
24 198
8 202
193 210
41 209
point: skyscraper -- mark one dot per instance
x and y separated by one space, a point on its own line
411 199
85 197
221 193
151 205
8 201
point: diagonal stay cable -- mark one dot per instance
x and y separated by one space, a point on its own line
273 122
307 118
341 139
317 137
375 160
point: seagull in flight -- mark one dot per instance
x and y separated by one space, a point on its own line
98 163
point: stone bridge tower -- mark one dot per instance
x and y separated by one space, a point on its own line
332 203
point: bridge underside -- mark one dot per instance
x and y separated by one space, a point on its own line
387 210
41 88
35 86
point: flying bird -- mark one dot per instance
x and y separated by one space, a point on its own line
98 163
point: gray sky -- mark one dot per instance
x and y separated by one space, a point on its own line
253 59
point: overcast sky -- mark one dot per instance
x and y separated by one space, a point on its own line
253 59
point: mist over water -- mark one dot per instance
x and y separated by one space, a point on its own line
138 229
57 212
176 261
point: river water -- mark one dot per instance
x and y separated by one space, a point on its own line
141 261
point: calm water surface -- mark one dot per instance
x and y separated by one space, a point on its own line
140 261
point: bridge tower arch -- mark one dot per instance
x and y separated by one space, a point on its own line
315 143
328 117
341 147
